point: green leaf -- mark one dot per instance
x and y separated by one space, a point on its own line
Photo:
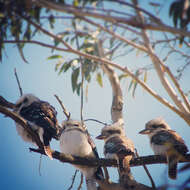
145 76
76 3
54 57
74 78
135 86
64 67
123 76
99 79
57 66
131 84
78 88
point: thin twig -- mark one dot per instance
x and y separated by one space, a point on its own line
73 180
18 82
82 73
147 172
40 164
67 114
107 177
96 121
81 182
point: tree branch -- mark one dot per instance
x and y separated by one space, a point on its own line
79 11
117 103
23 123
127 71
158 67
18 82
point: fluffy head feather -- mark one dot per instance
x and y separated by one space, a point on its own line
109 131
25 101
154 126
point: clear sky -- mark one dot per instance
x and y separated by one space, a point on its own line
19 168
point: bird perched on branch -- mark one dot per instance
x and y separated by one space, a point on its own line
118 146
76 141
41 116
167 142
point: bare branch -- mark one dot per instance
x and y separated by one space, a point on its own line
93 162
35 42
95 121
18 82
73 180
79 11
6 104
135 45
81 182
117 103
158 67
147 172
185 116
67 114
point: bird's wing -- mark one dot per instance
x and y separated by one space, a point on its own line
171 137
42 114
119 145
99 173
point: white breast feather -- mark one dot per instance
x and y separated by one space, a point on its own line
24 134
159 149
76 143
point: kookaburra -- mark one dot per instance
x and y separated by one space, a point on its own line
118 146
167 142
41 116
76 141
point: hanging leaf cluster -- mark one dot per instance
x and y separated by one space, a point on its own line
14 25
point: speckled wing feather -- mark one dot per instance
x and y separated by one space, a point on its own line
118 145
42 114
170 136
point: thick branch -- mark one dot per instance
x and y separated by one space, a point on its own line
158 67
146 160
117 103
5 103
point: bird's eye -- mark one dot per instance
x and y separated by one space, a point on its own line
162 126
25 100
154 126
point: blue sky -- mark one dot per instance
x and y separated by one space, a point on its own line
19 167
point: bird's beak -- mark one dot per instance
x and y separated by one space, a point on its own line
100 137
145 132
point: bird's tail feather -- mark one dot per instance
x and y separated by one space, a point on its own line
124 168
91 184
172 167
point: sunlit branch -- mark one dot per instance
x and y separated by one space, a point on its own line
158 67
78 11
147 172
67 114
125 70
135 45
36 42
